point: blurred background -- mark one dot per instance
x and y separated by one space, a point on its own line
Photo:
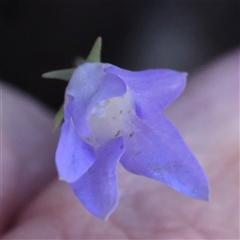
38 36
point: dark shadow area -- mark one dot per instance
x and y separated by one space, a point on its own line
39 36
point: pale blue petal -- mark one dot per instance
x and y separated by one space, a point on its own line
97 189
152 90
156 150
68 107
73 156
88 86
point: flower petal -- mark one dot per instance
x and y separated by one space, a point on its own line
156 150
88 86
73 156
97 188
152 90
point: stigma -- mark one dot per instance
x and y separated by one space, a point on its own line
110 118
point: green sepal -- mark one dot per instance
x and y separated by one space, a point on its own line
95 53
64 74
58 119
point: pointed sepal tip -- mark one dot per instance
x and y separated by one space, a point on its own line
95 53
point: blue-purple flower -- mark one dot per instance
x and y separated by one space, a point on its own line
113 115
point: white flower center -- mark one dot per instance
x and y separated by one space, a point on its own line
110 119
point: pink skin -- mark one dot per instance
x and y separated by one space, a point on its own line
35 205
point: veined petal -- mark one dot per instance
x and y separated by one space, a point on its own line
97 189
73 156
156 150
88 86
152 90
